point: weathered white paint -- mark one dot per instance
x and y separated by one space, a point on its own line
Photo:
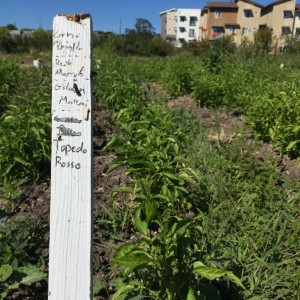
70 261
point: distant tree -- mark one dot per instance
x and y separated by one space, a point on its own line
137 40
129 31
263 40
5 40
11 27
144 26
40 40
160 47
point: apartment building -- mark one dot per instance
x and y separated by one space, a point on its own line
221 19
180 26
248 19
279 16
168 22
240 19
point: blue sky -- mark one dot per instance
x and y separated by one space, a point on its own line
107 15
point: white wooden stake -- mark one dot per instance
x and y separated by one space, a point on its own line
70 251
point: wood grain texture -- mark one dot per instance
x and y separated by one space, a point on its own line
70 256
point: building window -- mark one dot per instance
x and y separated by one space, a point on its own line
248 13
245 31
218 14
182 29
285 30
182 18
217 31
192 33
230 30
193 21
287 14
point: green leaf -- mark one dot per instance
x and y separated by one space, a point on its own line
271 133
187 178
291 145
125 190
213 273
8 289
171 176
257 297
123 289
131 256
140 225
178 229
150 211
111 143
138 297
171 140
5 272
194 173
21 161
98 286
190 295
34 274
180 159
8 118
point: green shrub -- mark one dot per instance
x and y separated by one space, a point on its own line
22 263
25 123
10 77
176 77
160 47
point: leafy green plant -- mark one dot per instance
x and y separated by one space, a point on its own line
150 146
25 134
21 260
176 77
164 265
208 89
26 149
274 115
10 75
10 190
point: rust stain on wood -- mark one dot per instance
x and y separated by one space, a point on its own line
77 17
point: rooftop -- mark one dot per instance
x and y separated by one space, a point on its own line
222 4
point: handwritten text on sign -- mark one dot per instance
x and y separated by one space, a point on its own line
71 89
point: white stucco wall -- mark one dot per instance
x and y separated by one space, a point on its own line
185 27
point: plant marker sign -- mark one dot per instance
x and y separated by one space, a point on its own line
70 251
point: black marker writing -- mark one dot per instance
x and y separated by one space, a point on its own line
77 91
67 131
67 120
